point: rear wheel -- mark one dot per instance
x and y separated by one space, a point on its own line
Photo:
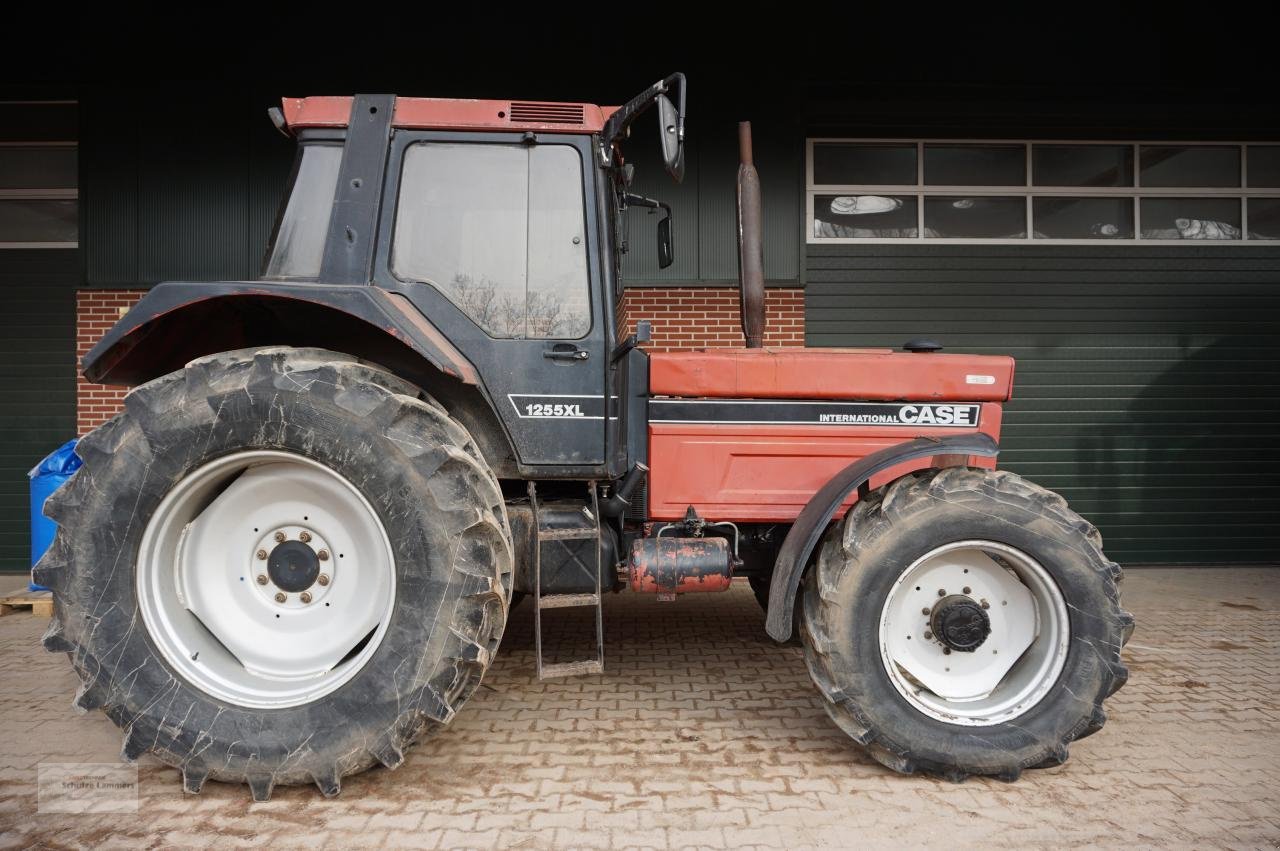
317 555
963 622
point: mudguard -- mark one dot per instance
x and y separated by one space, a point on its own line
812 522
175 322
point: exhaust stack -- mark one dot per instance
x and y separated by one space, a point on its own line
750 242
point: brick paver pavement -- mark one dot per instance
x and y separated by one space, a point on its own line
704 733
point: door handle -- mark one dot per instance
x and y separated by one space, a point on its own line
567 353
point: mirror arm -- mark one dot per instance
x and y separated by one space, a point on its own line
632 200
618 123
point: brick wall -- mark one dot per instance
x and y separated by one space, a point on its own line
683 318
708 317
96 312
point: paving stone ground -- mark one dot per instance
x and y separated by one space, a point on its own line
703 732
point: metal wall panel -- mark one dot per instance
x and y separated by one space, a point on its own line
37 379
186 194
1148 382
704 207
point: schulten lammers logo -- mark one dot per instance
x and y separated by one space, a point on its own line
87 787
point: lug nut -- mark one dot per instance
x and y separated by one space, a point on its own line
985 604
928 634
323 555
305 596
967 589
262 555
946 651
925 612
942 592
323 579
262 579
281 597
304 537
280 536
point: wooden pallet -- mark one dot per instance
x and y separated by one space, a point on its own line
39 602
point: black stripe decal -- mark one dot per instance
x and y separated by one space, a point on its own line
793 412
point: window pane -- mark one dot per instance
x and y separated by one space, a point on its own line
1264 166
975 165
844 164
462 226
1195 165
1264 218
1191 218
978 217
1083 218
1082 165
558 304
31 220
864 217
499 229
37 168
299 243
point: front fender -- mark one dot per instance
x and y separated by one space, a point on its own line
815 516
176 322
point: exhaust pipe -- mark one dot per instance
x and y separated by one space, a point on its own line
750 242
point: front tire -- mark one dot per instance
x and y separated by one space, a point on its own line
231 651
920 589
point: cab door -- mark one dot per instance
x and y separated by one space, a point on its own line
492 241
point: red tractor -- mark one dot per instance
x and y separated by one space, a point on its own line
293 553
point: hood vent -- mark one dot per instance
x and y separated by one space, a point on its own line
546 113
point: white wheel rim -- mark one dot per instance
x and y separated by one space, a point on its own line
201 567
1013 667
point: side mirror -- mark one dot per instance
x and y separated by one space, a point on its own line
666 252
669 121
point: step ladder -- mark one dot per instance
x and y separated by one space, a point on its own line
562 601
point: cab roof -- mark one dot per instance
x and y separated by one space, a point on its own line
456 114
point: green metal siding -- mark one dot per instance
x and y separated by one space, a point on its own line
37 379
1148 382
187 194
704 214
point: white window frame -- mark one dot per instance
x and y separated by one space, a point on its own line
65 194
1135 193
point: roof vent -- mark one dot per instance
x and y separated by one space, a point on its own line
546 113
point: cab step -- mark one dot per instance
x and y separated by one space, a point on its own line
571 669
565 601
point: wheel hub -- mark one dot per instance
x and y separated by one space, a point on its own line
293 566
960 623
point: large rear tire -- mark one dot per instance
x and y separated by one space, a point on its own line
964 622
278 566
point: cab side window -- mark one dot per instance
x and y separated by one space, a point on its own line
500 230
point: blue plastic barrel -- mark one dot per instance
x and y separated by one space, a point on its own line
46 477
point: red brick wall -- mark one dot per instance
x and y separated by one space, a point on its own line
96 312
683 318
708 317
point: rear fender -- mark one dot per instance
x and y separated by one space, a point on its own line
178 322
812 522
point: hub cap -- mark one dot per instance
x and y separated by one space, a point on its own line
293 566
974 633
266 579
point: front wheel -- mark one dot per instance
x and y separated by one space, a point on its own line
963 622
278 566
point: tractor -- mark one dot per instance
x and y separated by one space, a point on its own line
293 553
